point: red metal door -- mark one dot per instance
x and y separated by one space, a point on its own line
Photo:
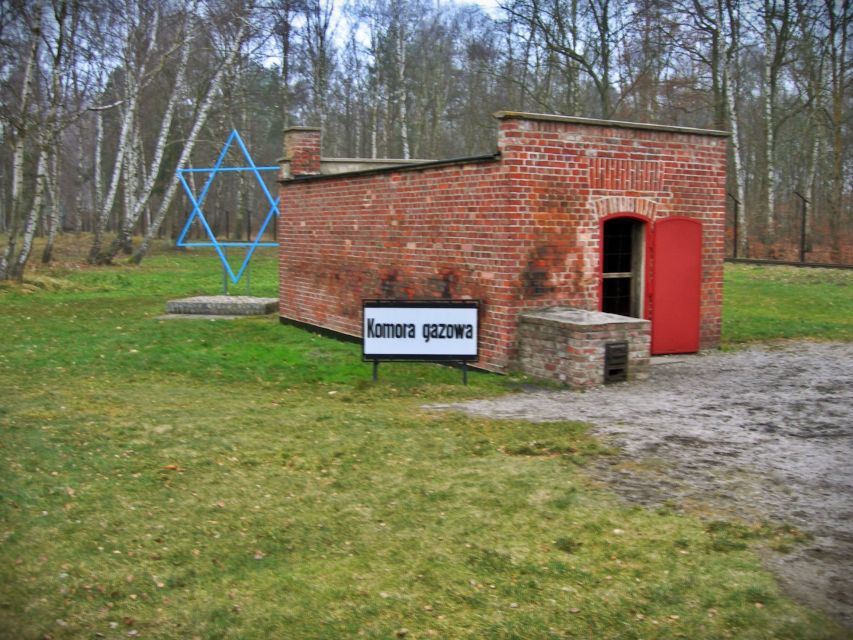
676 286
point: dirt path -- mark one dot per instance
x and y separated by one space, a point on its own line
762 434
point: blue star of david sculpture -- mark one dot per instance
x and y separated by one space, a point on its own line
199 215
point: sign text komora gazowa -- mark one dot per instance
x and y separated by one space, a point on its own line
421 330
439 331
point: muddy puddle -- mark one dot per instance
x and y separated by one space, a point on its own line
764 434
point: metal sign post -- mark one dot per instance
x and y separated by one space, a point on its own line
804 210
420 331
736 224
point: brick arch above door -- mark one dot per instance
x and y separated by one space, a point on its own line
611 205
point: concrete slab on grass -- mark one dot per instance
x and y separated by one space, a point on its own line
207 306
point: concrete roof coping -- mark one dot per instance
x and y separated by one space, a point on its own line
369 160
301 128
412 165
580 317
378 160
544 117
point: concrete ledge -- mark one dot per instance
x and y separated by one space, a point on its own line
594 122
582 317
223 306
568 346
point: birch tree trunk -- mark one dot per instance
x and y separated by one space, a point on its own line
54 219
730 89
135 70
374 129
95 255
98 196
777 31
79 181
375 84
20 136
130 187
769 120
200 119
123 240
737 160
16 268
401 83
52 144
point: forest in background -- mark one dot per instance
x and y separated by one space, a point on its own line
102 100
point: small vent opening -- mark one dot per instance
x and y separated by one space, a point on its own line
615 362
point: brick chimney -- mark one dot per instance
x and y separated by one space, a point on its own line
301 152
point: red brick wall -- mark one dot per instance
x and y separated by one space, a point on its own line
576 174
517 232
302 150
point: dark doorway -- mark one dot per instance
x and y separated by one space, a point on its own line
622 267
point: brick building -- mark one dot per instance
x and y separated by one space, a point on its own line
596 215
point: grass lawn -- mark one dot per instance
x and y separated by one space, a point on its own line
780 303
242 479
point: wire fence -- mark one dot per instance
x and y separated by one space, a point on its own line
799 236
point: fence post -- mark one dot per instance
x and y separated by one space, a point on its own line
804 210
737 216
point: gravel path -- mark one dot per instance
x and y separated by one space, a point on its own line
762 434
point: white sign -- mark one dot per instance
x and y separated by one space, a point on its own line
419 330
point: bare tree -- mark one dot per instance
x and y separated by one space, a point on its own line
284 14
584 35
809 70
138 199
728 14
403 78
776 23
317 36
44 117
21 126
138 35
66 16
233 44
839 16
